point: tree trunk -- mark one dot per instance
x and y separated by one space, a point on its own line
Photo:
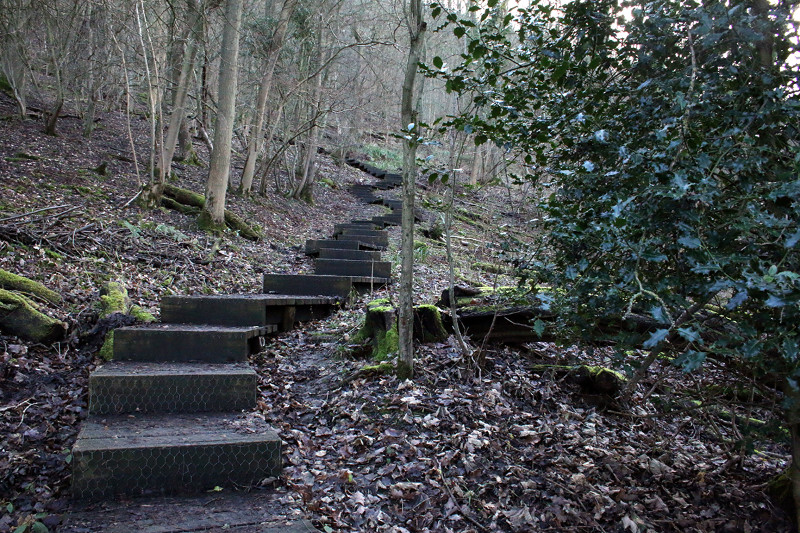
254 144
213 214
410 128
182 87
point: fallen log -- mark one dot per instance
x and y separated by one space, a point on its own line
14 282
20 316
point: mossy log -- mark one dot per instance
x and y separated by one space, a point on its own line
194 200
592 379
14 282
19 316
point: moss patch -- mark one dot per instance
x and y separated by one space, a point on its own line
107 350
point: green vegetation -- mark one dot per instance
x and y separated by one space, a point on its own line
385 158
658 158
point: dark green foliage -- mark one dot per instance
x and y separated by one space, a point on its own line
669 145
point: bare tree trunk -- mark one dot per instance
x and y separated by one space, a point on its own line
182 88
213 214
410 128
254 144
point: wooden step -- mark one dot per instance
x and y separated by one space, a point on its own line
369 226
308 284
246 309
128 387
187 343
393 204
260 511
357 255
172 454
313 246
364 232
344 267
365 242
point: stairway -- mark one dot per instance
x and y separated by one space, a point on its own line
171 414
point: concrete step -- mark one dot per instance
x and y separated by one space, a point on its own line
313 246
172 454
127 387
187 343
345 267
356 255
246 309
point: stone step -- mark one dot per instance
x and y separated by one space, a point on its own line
313 246
357 255
345 267
172 454
187 343
246 309
128 387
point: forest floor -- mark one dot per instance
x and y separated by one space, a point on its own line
506 449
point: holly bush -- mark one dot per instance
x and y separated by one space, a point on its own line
665 135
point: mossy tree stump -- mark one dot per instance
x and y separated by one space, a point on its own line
592 379
380 327
114 301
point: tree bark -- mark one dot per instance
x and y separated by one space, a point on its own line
410 128
182 88
213 214
273 51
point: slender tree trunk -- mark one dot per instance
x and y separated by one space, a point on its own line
410 128
182 87
273 52
213 214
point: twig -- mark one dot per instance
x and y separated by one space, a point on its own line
32 213
450 493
